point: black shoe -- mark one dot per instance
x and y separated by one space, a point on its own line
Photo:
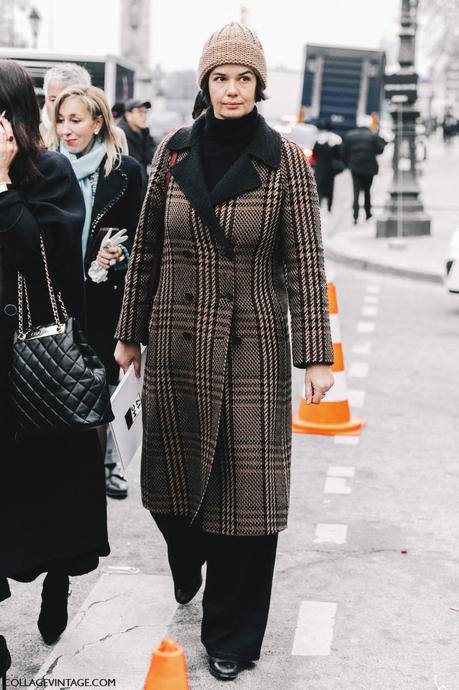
368 216
183 595
5 660
53 617
355 221
116 485
224 669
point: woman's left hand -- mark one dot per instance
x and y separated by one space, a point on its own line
318 380
108 256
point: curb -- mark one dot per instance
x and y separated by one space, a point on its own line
370 265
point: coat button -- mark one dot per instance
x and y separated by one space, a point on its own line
229 296
187 254
189 296
237 340
10 309
187 335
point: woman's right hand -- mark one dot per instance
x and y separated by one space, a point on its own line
8 149
127 354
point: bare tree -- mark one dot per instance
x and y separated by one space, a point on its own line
440 29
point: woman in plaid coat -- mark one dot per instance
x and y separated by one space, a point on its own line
234 208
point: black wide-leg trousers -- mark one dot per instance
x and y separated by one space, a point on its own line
238 584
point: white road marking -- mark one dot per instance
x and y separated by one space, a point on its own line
314 630
369 311
336 485
362 348
356 397
340 471
371 299
365 327
359 369
330 534
373 288
347 440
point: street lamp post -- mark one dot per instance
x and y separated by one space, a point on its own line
35 20
404 213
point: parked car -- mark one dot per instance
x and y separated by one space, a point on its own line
452 264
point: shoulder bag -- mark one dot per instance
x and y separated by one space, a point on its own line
58 384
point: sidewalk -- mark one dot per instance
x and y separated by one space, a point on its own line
422 258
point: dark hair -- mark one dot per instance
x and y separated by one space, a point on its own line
118 109
200 104
17 98
259 91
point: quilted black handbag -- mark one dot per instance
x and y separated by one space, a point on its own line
58 384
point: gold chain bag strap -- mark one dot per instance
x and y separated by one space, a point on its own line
58 384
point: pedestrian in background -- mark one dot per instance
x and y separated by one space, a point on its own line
56 80
140 142
84 131
118 110
52 494
449 127
361 148
238 226
328 153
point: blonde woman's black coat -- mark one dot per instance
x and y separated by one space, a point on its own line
117 204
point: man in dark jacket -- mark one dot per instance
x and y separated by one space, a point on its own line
140 142
361 147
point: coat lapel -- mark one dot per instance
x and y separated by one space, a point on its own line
243 176
240 178
188 174
108 189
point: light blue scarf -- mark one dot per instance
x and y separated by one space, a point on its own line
84 167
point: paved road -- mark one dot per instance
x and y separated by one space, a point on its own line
366 593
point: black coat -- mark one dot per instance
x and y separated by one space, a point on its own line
141 147
361 147
117 203
326 156
52 490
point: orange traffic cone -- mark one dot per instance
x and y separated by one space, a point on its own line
332 416
167 668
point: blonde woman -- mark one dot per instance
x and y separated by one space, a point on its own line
111 183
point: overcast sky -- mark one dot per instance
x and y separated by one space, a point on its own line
180 27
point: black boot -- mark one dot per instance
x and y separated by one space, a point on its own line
5 661
52 620
185 593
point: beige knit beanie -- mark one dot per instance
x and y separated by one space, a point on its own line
233 44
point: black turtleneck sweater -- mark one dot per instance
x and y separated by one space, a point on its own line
223 141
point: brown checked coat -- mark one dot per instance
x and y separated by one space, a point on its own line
216 399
